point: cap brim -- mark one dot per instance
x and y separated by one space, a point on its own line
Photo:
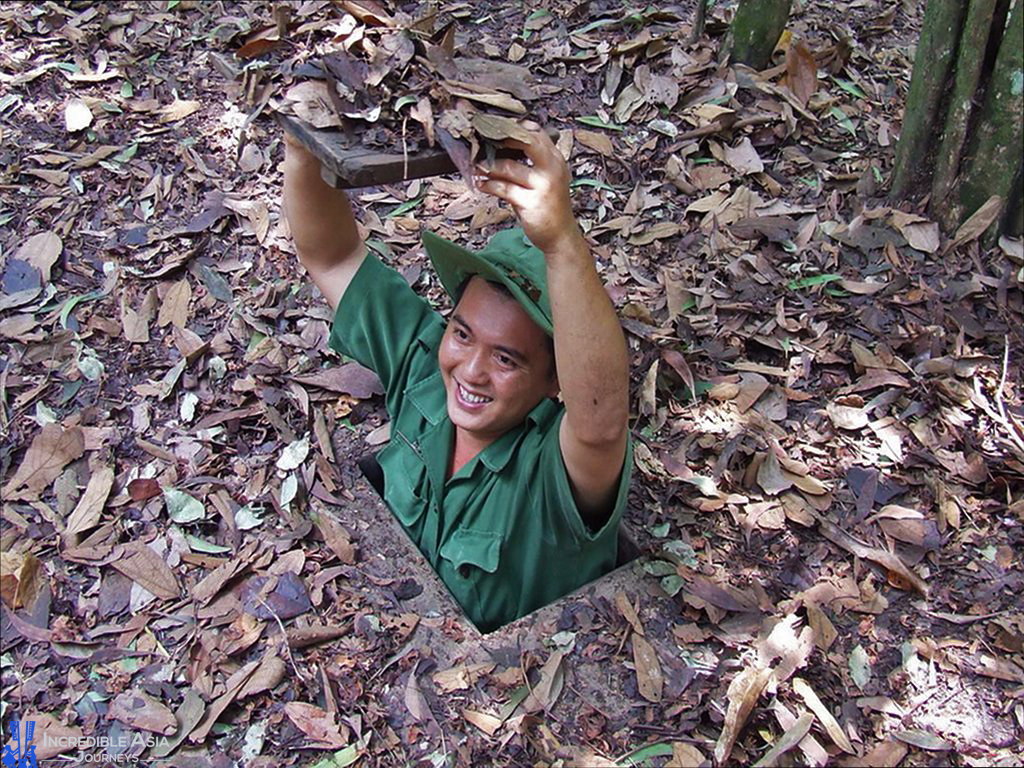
454 264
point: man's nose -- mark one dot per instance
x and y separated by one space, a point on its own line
474 369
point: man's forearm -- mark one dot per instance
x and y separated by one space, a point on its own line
590 349
319 216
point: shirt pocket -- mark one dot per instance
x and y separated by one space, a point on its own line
466 550
406 488
467 564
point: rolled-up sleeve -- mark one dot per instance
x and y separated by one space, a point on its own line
382 323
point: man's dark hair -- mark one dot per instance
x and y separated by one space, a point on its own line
504 291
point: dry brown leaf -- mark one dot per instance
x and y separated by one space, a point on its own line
137 709
146 568
685 756
801 72
771 477
831 725
41 250
978 222
319 725
489 724
846 416
549 686
177 110
599 142
51 450
743 693
752 386
649 679
174 308
460 678
136 324
336 537
19 582
743 158
87 512
628 612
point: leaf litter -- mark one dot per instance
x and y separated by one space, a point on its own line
829 459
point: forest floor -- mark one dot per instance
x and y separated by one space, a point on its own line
826 401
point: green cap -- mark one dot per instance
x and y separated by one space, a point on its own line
508 258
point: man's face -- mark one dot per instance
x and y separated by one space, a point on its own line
495 362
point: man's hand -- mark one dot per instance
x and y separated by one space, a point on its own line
538 192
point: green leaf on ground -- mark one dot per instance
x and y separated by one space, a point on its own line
183 508
812 281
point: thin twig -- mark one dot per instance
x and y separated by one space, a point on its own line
284 636
1002 378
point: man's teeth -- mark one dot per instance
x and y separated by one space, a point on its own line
471 398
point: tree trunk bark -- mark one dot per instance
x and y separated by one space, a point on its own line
935 50
969 61
994 156
756 29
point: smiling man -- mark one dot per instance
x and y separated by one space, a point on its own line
514 497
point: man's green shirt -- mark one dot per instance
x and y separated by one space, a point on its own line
503 532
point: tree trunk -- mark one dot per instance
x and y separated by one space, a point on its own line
756 29
935 51
968 86
968 75
994 156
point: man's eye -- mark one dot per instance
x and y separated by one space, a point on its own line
460 334
507 361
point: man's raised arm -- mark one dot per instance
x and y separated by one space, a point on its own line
590 348
326 236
